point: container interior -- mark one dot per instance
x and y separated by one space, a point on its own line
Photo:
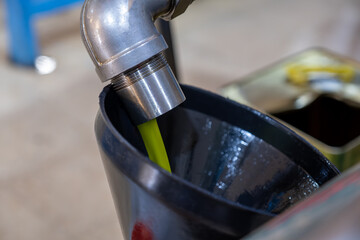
226 160
328 119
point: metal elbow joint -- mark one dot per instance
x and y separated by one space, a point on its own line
126 48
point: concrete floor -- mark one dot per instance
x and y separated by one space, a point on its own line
52 183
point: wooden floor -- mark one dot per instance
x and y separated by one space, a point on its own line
52 183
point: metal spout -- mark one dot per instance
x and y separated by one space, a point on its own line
126 48
149 90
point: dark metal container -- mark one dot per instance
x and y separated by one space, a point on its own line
234 168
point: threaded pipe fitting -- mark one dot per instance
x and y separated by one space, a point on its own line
148 90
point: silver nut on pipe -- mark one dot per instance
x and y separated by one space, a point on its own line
148 90
179 8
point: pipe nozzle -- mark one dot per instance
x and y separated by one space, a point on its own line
126 48
149 89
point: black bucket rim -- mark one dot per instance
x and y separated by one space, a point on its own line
235 210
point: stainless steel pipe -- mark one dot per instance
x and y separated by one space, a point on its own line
126 48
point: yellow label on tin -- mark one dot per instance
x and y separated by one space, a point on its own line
300 74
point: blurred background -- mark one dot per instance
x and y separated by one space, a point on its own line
52 182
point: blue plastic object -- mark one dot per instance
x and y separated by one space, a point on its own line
23 45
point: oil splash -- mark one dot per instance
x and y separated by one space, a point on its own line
154 144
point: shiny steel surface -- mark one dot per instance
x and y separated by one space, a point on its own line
149 91
120 34
234 169
123 42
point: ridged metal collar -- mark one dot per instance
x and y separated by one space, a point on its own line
141 71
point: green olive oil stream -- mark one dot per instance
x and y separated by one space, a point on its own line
154 144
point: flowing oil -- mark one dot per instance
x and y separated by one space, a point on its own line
154 144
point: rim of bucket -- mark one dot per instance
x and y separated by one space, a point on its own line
207 201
